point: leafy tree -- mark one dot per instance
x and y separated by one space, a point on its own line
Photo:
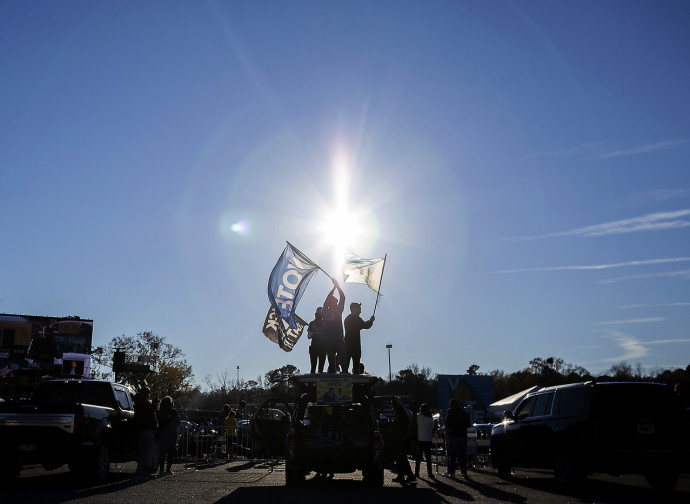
174 376
472 370
279 380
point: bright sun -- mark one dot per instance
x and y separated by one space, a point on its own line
342 228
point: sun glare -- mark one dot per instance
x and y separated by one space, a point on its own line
344 227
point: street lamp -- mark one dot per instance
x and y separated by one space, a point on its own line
389 346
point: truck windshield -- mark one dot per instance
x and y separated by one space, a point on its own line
66 392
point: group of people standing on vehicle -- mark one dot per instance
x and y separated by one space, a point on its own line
156 433
334 340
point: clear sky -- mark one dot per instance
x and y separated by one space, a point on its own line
525 166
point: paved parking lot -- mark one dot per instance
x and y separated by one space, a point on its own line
243 481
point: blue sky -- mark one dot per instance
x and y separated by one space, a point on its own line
523 164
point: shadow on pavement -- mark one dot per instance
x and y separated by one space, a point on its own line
335 492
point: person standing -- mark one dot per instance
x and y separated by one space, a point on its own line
145 424
456 424
333 325
353 344
317 349
168 421
230 424
425 427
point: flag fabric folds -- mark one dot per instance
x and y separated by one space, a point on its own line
279 331
367 271
287 283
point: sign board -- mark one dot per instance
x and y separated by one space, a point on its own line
476 391
333 390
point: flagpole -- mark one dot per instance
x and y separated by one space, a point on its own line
305 255
378 293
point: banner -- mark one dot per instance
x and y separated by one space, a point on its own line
333 390
278 331
287 282
366 271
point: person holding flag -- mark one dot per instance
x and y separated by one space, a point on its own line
333 325
353 345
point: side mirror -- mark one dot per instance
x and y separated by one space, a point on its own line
508 415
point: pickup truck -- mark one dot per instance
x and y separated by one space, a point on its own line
86 424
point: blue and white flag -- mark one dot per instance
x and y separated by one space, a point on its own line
278 331
367 271
287 283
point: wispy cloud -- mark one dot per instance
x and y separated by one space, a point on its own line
681 273
578 150
644 149
632 347
596 266
659 195
631 321
659 221
652 305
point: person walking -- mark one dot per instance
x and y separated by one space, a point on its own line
168 421
425 427
333 325
317 349
145 425
353 344
230 424
456 423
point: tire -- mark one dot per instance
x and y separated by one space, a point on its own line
662 481
504 470
373 476
566 471
9 469
99 463
293 477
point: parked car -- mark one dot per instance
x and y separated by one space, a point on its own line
586 428
85 424
334 429
269 425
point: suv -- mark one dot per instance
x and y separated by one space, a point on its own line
334 429
585 428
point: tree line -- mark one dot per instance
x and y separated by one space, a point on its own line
418 384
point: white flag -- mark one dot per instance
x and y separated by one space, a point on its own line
366 271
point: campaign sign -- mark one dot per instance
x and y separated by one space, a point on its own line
333 390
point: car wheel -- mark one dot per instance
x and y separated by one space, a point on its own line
9 469
293 477
504 470
566 471
373 476
661 480
99 464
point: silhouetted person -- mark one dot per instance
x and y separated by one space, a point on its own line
145 425
168 421
353 344
333 324
456 423
317 349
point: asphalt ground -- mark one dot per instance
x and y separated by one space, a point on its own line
264 482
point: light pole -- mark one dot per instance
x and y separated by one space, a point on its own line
389 346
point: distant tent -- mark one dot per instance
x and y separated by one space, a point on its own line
510 402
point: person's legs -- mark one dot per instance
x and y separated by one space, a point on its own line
322 358
426 447
331 352
312 358
462 455
452 454
356 357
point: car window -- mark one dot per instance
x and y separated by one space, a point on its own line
542 405
524 408
573 401
123 399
